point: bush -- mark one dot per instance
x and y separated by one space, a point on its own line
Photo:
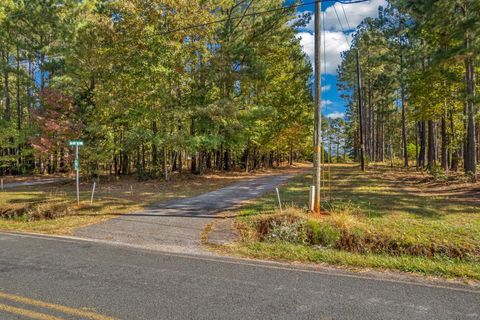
412 150
343 231
438 173
321 234
288 231
36 212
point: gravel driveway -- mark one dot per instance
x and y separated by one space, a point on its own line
176 226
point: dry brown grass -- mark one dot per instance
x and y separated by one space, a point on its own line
53 208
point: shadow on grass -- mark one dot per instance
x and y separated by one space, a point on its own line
376 194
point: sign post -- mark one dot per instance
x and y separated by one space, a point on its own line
76 144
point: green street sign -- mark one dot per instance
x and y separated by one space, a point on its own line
74 143
76 164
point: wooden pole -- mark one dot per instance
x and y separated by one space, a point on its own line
317 139
360 111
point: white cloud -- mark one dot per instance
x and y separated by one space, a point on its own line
326 88
355 14
335 40
335 43
326 102
336 115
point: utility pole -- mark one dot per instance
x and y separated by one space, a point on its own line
360 111
317 138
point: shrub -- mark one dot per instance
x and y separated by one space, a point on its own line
292 232
35 212
344 231
321 234
438 173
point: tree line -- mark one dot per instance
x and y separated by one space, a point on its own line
152 87
418 98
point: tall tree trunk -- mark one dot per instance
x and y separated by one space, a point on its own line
180 161
423 144
444 142
19 108
226 160
115 163
193 164
431 145
404 129
455 151
138 165
208 160
247 159
290 155
218 159
360 114
144 164
125 162
382 145
6 89
154 148
174 161
164 163
470 161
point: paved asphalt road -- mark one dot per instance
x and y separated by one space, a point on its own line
79 279
176 226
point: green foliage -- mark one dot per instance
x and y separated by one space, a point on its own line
285 230
438 173
322 234
148 90
415 54
412 150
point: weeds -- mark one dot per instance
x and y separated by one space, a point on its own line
343 231
397 217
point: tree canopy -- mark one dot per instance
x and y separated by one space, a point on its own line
418 61
152 86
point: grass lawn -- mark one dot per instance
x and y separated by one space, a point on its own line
383 218
52 209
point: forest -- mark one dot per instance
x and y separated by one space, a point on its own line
152 87
417 99
155 87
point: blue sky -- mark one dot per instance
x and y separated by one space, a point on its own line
337 37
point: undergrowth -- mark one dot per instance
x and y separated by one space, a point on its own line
343 231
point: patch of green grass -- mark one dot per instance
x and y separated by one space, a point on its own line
286 251
399 209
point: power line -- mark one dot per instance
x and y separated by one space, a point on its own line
342 2
346 18
294 6
341 25
283 8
